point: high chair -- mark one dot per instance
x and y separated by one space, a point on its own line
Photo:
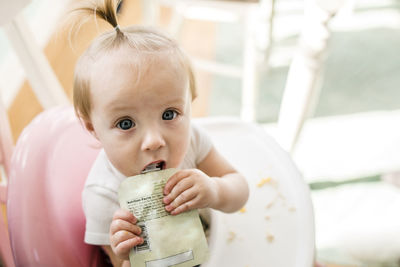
53 157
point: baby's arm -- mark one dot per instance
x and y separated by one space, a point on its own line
215 184
124 235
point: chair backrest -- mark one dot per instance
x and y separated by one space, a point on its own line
48 169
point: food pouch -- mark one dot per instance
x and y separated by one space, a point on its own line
177 240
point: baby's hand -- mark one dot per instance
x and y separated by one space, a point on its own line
124 233
189 189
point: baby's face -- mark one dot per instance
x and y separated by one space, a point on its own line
140 122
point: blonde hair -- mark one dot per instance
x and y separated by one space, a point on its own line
143 40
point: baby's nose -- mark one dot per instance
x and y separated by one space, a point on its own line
152 140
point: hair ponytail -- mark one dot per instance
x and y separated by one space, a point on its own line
108 12
103 9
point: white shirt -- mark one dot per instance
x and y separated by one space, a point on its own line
100 193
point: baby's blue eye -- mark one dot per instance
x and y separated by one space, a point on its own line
125 124
169 115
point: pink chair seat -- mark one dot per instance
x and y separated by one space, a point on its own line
48 169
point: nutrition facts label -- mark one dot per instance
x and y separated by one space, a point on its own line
149 207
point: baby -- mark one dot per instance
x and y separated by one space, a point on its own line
133 89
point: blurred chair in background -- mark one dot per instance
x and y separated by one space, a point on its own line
305 74
356 219
38 71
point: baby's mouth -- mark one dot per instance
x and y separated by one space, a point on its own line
154 166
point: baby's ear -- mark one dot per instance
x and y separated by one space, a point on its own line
90 128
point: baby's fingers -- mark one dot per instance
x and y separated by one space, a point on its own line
122 225
182 198
122 236
174 180
189 205
178 190
125 215
123 241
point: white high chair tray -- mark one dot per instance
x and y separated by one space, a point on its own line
276 227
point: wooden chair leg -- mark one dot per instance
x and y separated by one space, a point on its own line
249 72
304 75
256 19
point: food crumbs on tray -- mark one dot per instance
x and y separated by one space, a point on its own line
263 181
283 199
270 237
231 236
269 205
242 210
281 196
